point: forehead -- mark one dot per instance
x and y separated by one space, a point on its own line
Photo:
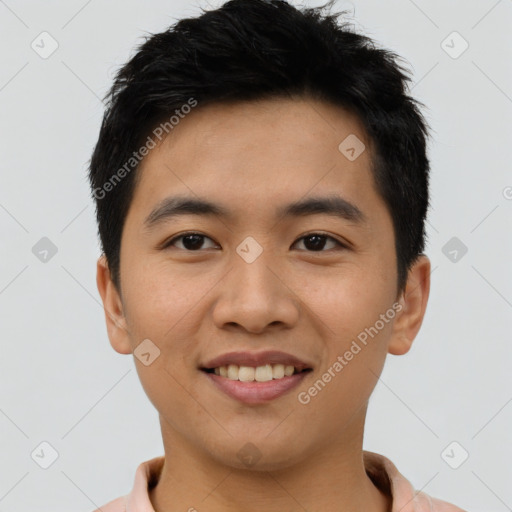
252 154
293 130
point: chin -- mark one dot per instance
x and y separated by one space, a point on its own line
259 455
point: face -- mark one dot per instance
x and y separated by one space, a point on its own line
269 265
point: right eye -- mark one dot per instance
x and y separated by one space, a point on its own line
191 241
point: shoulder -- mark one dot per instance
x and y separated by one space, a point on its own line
116 505
405 499
146 475
430 504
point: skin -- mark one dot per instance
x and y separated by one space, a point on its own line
253 157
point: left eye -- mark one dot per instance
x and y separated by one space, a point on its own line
317 241
314 242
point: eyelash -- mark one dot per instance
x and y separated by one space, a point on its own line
339 244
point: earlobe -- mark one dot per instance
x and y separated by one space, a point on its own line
114 316
414 303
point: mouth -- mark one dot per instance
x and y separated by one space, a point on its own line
262 373
256 378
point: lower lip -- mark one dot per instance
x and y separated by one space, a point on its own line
256 392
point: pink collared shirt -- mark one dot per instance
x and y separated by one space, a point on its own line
380 469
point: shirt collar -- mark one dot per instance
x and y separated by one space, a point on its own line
379 468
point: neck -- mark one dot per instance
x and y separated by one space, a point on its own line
331 479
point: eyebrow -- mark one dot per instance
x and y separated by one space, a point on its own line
333 205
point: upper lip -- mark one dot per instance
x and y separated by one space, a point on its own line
255 359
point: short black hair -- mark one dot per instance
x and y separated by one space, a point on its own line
256 49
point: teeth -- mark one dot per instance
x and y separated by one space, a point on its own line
278 371
258 374
246 374
288 370
233 372
263 373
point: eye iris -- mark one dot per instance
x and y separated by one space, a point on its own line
318 242
197 242
194 242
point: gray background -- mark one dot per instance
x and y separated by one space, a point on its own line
62 383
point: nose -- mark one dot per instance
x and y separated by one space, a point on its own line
256 296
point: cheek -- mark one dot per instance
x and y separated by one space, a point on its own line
167 307
355 356
160 302
351 300
164 309
350 311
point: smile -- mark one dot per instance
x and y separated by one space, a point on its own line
262 373
254 392
255 377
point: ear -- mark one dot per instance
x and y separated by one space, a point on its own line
414 303
113 307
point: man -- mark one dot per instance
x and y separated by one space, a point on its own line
261 184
